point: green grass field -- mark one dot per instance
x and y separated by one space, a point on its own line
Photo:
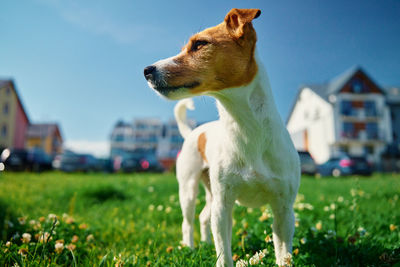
135 220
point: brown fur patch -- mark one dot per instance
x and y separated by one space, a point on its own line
201 145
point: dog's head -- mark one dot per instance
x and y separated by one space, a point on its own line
215 59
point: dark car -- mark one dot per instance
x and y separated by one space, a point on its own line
73 162
307 163
345 165
25 160
105 165
141 163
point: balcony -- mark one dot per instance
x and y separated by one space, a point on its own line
361 137
359 111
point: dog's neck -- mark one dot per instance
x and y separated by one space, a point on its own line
248 113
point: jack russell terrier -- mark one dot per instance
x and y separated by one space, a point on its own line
247 155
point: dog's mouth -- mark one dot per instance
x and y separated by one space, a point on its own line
167 89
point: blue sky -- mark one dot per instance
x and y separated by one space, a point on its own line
80 63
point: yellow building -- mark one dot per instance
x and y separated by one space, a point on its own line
46 137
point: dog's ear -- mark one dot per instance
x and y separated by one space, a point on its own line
237 20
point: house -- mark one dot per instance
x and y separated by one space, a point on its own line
348 114
14 120
46 136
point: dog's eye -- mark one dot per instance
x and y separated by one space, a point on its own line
198 44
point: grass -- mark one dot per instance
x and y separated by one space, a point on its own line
135 220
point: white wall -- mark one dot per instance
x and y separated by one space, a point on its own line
314 115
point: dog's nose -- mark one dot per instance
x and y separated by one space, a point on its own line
149 71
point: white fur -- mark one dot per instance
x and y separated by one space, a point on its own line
250 159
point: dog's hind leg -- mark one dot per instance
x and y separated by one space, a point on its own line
205 214
188 179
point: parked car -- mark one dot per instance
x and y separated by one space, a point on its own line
139 163
345 165
307 163
73 162
25 160
105 165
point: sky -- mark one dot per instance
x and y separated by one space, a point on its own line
80 63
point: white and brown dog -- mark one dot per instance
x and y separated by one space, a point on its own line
247 155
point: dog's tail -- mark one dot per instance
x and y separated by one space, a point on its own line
180 116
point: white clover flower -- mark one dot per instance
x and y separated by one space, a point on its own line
22 220
308 206
45 237
326 208
150 189
333 206
353 192
52 216
160 207
257 258
26 238
168 209
151 207
59 246
332 216
241 263
288 260
340 199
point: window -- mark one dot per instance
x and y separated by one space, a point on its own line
346 108
357 86
369 149
344 149
4 131
348 130
317 114
5 109
370 108
372 130
119 138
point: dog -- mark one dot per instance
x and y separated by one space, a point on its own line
246 156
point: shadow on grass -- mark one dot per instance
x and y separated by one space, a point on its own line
353 251
9 223
105 193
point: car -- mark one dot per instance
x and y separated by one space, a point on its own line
25 160
141 163
345 165
74 162
307 163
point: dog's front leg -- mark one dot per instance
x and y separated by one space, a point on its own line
283 230
221 226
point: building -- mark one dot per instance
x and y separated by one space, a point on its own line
147 137
393 101
139 137
349 114
46 136
14 120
